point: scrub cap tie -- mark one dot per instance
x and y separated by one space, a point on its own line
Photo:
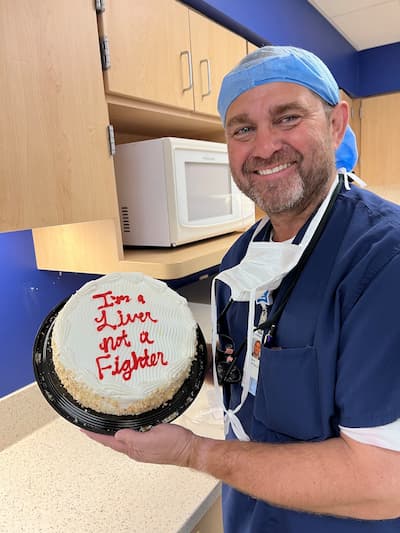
286 64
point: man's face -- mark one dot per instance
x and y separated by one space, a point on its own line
281 146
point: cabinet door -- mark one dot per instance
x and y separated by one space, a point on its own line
149 51
380 141
215 51
55 162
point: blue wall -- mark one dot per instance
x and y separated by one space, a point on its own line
27 296
380 70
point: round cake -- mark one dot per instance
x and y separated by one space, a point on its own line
124 344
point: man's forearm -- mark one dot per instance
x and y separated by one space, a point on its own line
337 477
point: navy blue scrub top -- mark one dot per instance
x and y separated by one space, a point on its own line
336 355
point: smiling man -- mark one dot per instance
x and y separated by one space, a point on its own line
281 141
312 426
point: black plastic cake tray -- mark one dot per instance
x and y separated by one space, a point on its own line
66 406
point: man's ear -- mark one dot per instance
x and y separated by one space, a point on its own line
339 121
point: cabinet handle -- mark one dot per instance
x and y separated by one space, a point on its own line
207 62
189 61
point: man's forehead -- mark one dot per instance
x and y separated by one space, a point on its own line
272 97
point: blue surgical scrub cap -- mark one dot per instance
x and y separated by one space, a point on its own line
347 153
288 64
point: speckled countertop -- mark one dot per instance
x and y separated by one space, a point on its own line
53 479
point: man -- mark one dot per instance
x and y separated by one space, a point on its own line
314 445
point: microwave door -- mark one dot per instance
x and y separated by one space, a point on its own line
207 199
208 193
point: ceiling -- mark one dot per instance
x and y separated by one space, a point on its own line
363 23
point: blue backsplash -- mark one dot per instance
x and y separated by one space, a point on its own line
27 296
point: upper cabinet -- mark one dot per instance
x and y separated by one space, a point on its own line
149 47
162 52
54 156
215 51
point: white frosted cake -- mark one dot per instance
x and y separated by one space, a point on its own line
124 344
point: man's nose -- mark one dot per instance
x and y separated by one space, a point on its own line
267 141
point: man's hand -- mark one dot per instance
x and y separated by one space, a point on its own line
163 444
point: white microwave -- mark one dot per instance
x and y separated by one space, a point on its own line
174 191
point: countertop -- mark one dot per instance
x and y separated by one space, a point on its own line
53 479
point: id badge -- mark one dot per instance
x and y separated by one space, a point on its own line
255 361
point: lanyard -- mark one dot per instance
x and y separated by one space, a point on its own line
227 369
270 325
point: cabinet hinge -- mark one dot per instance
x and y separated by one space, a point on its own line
105 53
360 110
111 139
100 5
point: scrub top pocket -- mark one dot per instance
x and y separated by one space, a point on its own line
287 399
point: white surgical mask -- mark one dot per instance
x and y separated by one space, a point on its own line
263 268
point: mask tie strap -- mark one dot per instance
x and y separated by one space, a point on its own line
230 417
247 360
350 176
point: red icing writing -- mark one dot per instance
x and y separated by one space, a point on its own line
128 366
144 337
112 314
109 299
109 343
122 320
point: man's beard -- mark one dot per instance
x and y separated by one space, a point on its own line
293 193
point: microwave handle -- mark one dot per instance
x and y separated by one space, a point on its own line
189 61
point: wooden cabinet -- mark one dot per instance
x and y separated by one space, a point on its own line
149 46
54 156
162 52
215 51
380 139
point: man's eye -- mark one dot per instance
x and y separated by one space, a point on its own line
244 130
289 119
